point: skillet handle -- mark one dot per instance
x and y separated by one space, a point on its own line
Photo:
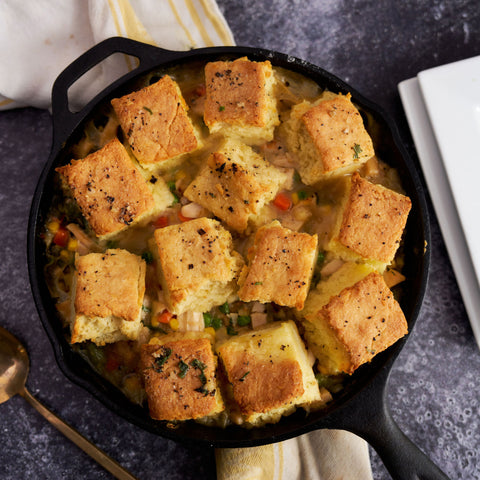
64 120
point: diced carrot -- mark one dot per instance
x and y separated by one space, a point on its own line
61 237
183 218
272 146
164 317
283 201
161 222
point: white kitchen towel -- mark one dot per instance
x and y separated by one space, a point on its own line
39 39
42 37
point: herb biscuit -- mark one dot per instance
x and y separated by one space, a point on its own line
240 100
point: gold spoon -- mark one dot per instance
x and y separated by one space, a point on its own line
14 366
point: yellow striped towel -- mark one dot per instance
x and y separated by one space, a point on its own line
320 455
39 39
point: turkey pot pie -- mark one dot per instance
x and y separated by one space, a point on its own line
222 230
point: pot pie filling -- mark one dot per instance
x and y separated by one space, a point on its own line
224 244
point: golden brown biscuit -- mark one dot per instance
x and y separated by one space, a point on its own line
196 264
328 138
108 295
280 267
155 122
269 372
111 191
179 378
240 101
350 318
371 223
235 184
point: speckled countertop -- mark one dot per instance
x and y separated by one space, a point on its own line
434 387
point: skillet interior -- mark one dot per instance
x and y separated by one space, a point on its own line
387 145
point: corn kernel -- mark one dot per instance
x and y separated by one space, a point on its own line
154 341
65 255
174 323
210 331
53 226
72 245
155 321
180 175
295 198
132 383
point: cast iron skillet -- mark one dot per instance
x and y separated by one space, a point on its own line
362 406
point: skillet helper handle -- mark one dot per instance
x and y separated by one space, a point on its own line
64 120
88 447
368 416
402 458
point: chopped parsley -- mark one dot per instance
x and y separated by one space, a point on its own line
197 364
183 367
148 110
160 361
221 108
357 149
243 377
258 283
146 309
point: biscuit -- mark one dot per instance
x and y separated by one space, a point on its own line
370 223
269 372
179 378
351 317
156 124
108 295
240 100
111 191
328 138
280 267
196 265
235 184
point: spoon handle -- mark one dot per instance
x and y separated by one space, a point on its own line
88 447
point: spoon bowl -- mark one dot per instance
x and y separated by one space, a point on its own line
14 368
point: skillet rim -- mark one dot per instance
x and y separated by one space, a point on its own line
191 432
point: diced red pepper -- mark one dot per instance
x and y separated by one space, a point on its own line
112 363
199 90
283 201
61 237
